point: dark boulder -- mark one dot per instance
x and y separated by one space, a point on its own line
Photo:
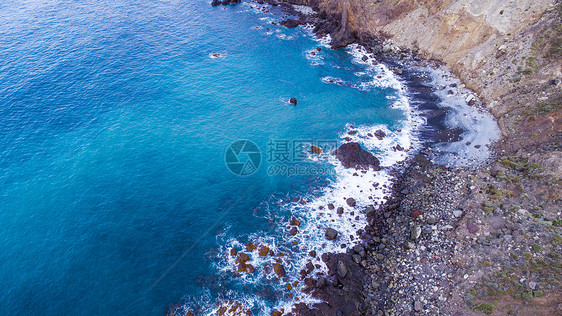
293 101
331 234
380 134
291 23
352 155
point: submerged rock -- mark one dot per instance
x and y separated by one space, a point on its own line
352 155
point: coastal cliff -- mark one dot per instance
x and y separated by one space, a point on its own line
508 52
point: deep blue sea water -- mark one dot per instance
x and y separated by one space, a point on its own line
114 122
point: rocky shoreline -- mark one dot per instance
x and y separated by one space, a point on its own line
439 245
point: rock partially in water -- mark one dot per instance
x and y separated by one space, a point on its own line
380 134
291 23
279 270
331 234
316 149
293 101
352 155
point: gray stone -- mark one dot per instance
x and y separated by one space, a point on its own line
497 222
432 220
416 232
321 282
418 306
342 269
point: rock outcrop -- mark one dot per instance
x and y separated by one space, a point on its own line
352 155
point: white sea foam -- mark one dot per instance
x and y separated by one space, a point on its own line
304 9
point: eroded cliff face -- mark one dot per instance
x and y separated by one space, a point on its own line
509 52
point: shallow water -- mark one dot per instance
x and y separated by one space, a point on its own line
114 122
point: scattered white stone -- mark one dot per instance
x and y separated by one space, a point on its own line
457 213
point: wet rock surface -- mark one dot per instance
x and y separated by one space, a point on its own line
352 155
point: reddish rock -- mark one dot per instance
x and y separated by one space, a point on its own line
264 250
251 246
250 268
380 134
241 267
279 270
293 231
316 149
233 252
331 206
295 222
416 213
242 257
